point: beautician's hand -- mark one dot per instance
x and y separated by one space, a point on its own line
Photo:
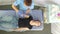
26 16
20 14
27 11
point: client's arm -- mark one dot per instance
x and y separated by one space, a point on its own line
21 29
35 23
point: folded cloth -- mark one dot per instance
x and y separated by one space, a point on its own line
8 21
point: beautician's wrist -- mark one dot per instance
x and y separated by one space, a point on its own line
17 11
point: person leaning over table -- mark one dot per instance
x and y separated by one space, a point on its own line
25 6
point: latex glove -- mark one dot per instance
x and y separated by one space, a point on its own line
20 14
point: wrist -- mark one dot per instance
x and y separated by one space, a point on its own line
17 11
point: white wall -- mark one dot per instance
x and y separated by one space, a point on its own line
55 28
37 2
6 2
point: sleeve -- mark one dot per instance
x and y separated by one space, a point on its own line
32 5
16 2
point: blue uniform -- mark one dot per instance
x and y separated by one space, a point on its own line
22 7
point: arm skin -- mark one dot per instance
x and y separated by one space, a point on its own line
27 11
15 8
21 29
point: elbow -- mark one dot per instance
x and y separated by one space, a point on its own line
12 6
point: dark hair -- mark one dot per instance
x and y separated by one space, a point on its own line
28 2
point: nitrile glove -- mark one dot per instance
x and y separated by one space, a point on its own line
20 14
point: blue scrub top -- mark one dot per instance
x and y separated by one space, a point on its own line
22 6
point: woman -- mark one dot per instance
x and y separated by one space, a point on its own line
25 21
24 5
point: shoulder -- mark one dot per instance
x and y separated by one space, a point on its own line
32 0
18 0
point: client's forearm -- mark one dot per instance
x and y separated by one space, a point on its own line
20 29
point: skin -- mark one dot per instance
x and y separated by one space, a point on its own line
16 9
35 23
26 16
20 29
32 22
